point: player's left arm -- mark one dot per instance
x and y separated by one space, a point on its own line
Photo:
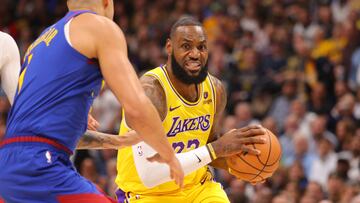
221 100
97 140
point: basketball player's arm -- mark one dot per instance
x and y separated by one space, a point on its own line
225 146
215 134
97 140
10 67
109 47
221 100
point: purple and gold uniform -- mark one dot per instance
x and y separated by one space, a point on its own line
187 126
57 86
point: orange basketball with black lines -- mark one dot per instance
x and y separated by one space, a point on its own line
256 168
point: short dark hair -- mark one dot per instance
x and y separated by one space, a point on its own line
184 21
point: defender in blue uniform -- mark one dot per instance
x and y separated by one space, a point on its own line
56 88
57 85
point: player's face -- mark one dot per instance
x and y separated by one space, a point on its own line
189 54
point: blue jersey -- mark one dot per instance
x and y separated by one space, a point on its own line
56 89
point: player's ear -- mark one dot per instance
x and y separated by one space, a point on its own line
105 3
108 6
168 46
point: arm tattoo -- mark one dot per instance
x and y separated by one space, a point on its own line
230 148
221 96
96 140
156 94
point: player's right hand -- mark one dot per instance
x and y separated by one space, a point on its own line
176 171
237 141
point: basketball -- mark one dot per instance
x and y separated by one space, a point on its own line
256 168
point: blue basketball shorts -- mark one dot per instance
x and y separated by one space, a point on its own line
34 172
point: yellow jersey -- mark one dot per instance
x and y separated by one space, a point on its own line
187 126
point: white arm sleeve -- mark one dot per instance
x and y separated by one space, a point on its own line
9 65
154 173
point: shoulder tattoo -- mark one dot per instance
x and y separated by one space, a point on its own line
156 94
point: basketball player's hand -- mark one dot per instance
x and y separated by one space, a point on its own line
92 123
176 172
236 141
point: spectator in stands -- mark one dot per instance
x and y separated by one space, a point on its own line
325 162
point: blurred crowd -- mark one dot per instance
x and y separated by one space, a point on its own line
291 65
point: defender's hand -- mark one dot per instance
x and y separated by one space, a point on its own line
235 141
92 123
176 172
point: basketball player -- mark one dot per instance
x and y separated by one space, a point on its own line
10 68
190 102
9 71
61 75
9 65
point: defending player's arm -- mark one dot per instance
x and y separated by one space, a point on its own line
97 140
156 173
109 47
10 66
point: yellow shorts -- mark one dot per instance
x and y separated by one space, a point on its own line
209 191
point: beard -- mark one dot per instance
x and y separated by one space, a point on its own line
184 77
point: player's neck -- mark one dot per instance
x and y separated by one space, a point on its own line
189 91
90 8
